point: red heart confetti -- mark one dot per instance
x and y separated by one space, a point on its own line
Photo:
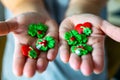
25 49
78 28
87 24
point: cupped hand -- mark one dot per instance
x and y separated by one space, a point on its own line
93 62
19 27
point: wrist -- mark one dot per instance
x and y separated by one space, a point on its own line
23 6
85 6
29 7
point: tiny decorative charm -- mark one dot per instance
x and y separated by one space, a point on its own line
81 49
87 31
29 51
71 37
37 30
84 28
77 39
44 44
25 49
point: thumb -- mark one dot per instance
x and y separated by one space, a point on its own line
111 30
7 26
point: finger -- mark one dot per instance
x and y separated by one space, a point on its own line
65 26
18 61
42 62
87 65
75 61
64 51
97 43
52 31
111 30
30 67
52 53
98 57
6 27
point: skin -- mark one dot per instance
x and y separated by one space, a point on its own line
78 12
27 66
18 25
33 11
85 6
93 62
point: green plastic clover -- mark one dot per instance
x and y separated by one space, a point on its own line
38 30
44 44
71 37
87 31
32 54
32 30
81 38
78 51
81 49
88 47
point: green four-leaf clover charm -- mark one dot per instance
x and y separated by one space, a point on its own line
37 30
46 43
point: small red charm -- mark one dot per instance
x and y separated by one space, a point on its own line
44 43
80 47
87 24
39 32
25 49
79 29
72 38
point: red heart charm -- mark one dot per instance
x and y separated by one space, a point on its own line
78 28
87 24
25 49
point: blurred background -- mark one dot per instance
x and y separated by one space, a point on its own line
112 47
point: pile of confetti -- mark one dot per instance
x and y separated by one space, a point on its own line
44 43
78 38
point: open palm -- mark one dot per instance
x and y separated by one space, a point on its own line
19 26
93 62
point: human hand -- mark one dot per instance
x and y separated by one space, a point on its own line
19 27
93 62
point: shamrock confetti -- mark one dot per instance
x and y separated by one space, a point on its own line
87 31
81 49
37 30
44 44
71 37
